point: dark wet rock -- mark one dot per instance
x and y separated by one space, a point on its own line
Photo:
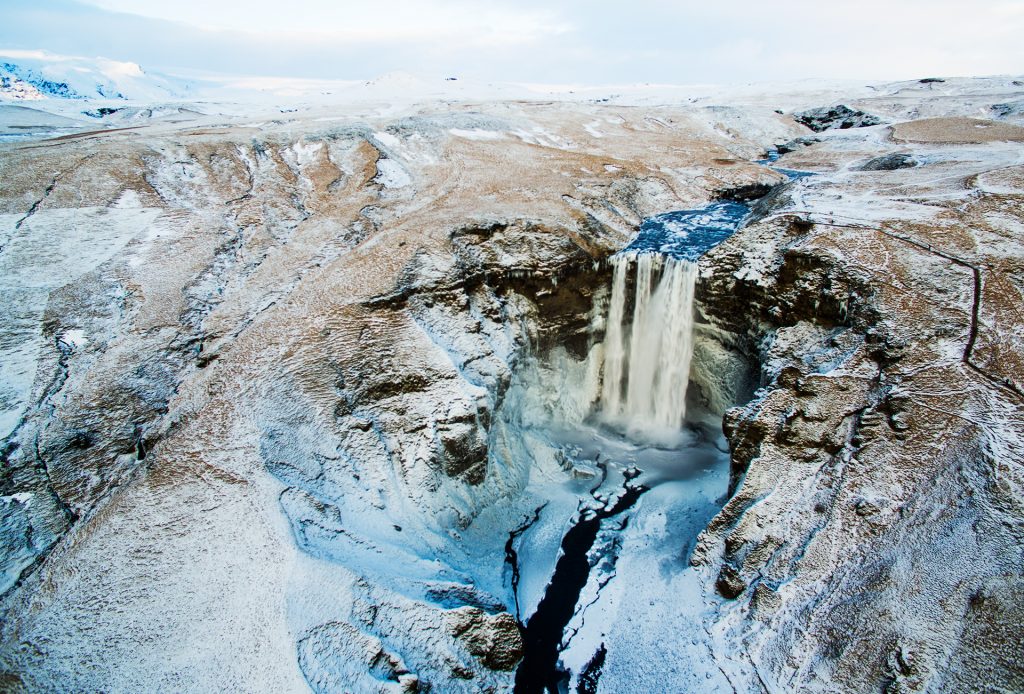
1011 108
461 449
889 162
101 112
838 117
746 193
796 143
775 199
729 583
865 508
765 601
495 640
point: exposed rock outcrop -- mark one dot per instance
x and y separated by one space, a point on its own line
837 117
889 162
496 640
1012 108
795 144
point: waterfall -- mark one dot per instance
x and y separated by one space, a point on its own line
645 377
614 344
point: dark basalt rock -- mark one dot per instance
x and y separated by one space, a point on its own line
462 451
101 112
1013 108
795 144
838 117
746 193
729 583
889 162
495 640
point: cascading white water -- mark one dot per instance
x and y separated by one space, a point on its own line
614 342
645 378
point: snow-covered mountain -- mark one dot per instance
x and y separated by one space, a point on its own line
33 75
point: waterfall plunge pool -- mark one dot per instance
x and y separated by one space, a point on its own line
649 475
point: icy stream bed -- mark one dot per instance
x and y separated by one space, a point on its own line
639 596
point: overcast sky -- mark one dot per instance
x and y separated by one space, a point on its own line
553 41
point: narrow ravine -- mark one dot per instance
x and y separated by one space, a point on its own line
512 558
539 669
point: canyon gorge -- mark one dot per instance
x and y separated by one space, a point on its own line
721 393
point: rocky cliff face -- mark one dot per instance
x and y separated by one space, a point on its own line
872 542
267 372
261 380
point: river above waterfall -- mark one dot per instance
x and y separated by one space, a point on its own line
689 234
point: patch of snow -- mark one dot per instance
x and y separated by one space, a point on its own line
544 138
51 249
128 200
756 264
306 152
74 338
477 134
390 174
387 139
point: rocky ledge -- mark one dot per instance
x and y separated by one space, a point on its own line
870 542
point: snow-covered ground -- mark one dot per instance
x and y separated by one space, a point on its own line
101 93
76 240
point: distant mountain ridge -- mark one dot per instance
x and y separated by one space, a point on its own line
33 75
20 83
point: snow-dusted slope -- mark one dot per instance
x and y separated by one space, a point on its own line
31 75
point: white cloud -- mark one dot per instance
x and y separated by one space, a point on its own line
441 21
565 41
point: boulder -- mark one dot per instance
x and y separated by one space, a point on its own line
495 640
838 117
889 162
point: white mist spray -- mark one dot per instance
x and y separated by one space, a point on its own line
645 378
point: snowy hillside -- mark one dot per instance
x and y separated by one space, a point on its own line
33 75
